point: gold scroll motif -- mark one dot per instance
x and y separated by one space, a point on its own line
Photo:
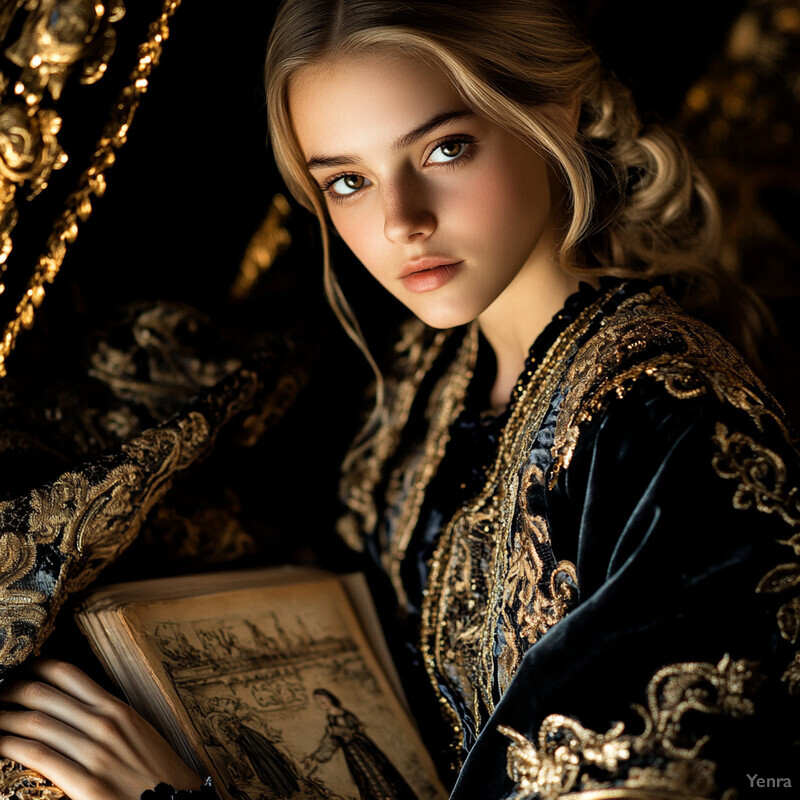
87 517
650 764
763 485
538 592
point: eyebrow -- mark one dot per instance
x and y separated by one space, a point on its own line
406 140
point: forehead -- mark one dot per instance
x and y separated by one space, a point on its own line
366 100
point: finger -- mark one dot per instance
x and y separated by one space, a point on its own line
71 680
61 738
47 699
68 776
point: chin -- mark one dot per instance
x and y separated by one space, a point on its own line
443 318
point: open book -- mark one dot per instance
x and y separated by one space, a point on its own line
275 682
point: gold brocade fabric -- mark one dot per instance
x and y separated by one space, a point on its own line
57 537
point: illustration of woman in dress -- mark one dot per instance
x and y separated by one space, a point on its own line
373 773
273 769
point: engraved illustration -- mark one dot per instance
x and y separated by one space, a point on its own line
265 727
373 773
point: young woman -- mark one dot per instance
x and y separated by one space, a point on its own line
579 502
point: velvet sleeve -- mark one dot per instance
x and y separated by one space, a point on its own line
676 672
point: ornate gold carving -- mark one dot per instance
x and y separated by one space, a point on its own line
56 35
651 762
18 782
762 484
29 152
73 22
268 242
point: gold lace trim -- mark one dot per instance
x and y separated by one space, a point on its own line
555 765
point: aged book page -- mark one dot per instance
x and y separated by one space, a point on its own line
274 690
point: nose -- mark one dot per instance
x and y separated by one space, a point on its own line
408 215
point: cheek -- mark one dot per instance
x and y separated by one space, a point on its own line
506 194
361 230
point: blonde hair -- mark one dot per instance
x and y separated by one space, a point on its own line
636 204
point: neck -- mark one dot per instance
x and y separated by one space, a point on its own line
512 323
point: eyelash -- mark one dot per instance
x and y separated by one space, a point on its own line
470 141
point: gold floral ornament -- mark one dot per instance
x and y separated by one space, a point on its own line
48 50
56 35
29 152
657 763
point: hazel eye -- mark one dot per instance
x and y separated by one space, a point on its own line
347 184
448 151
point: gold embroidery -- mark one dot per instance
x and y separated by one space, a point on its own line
650 336
652 761
467 592
18 782
72 528
791 675
448 399
763 484
761 474
16 558
363 469
491 592
537 593
789 620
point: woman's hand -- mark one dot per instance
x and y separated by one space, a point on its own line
83 739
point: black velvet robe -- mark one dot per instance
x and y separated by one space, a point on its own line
595 595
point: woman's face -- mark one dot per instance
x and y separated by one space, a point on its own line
445 208
323 702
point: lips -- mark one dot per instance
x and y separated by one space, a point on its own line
425 263
426 273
